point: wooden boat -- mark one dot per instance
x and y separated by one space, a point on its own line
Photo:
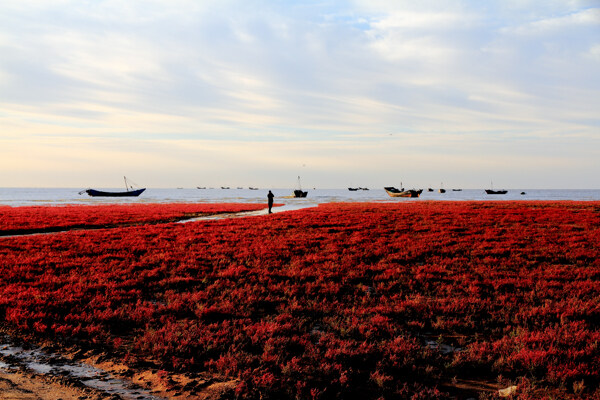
298 192
126 193
492 191
394 192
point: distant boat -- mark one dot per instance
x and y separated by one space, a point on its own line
224 187
298 192
203 187
354 189
430 190
442 190
252 188
492 191
126 193
364 188
457 190
394 192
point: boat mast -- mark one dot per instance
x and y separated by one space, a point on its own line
126 188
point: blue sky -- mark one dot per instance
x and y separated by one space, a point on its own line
254 93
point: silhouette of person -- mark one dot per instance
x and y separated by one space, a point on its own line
270 198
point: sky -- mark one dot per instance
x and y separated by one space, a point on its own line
370 93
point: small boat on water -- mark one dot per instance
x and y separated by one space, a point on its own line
253 188
298 192
394 192
354 189
126 193
492 191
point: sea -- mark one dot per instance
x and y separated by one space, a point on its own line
64 196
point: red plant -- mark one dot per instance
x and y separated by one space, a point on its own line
339 301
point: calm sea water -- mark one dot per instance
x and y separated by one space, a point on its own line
62 196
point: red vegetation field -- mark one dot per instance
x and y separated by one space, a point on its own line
390 300
15 220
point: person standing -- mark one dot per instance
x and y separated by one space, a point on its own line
270 200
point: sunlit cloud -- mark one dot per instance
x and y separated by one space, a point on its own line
253 90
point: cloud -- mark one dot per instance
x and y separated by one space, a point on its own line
313 77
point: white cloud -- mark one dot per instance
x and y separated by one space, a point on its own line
310 77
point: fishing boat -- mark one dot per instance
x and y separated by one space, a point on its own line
394 192
354 189
298 192
492 191
126 193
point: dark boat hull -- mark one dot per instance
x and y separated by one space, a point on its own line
394 192
490 191
100 193
300 193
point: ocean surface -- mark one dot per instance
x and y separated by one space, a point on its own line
62 196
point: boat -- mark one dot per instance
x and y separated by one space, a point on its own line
252 188
363 188
442 190
457 190
492 191
394 192
430 190
126 193
298 192
224 187
354 189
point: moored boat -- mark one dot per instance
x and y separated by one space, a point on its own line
394 192
492 191
126 193
299 193
101 193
